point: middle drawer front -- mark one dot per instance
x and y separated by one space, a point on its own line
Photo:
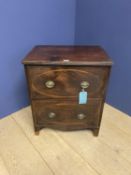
67 112
65 82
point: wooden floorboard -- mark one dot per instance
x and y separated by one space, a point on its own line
62 159
65 153
115 138
97 153
3 168
118 118
18 153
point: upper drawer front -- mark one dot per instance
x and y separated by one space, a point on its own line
65 82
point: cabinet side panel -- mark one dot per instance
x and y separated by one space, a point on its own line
29 91
104 97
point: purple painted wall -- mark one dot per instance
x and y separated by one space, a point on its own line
109 23
24 24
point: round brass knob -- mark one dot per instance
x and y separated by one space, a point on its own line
81 116
52 115
85 84
50 84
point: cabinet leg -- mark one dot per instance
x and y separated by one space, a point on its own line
37 133
96 132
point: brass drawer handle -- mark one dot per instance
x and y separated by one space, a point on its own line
81 116
84 84
52 115
50 84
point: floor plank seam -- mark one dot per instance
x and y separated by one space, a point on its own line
34 146
118 128
122 149
122 130
114 151
78 154
5 164
129 161
65 142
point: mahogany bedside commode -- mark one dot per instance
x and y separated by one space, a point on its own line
67 86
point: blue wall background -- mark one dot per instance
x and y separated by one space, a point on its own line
108 23
26 23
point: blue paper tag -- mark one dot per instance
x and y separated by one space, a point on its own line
83 97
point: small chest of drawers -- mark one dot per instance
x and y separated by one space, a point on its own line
56 75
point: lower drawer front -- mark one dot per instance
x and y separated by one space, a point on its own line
67 114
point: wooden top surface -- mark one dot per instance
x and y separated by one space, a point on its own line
67 55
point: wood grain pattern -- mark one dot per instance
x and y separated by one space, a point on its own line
95 151
17 151
66 67
66 114
119 118
3 169
61 159
77 55
67 81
